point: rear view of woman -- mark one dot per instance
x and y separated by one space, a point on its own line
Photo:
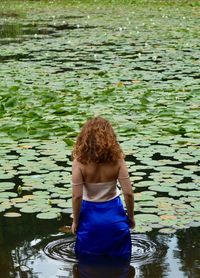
99 219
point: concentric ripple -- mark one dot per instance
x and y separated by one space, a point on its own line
61 249
144 250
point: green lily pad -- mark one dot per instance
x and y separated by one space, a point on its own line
12 214
5 176
55 195
7 194
176 193
63 205
155 112
56 210
167 231
29 209
6 186
149 218
195 224
18 200
41 193
142 229
2 209
67 210
6 204
162 188
146 204
19 205
143 197
193 193
136 178
149 210
27 188
47 215
145 183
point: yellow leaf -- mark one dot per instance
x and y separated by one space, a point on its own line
65 229
135 81
164 217
25 147
120 84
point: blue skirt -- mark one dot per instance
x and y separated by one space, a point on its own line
103 230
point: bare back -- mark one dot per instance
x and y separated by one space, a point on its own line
101 172
99 176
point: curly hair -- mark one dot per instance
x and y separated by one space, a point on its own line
97 143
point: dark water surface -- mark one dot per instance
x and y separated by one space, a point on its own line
34 249
136 65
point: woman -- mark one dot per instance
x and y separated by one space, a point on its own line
99 219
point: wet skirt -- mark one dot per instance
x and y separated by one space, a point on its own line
103 230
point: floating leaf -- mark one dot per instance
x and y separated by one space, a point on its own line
165 216
18 200
150 122
29 209
7 194
47 215
12 214
6 186
143 197
142 229
24 147
2 209
65 229
167 231
151 218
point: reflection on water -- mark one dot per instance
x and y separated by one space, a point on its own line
83 270
40 251
61 249
144 250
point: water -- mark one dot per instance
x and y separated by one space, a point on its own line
37 249
144 250
76 58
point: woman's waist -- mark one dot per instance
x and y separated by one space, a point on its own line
102 203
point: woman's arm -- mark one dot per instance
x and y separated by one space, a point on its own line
125 183
77 192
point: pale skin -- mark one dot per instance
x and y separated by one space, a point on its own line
103 172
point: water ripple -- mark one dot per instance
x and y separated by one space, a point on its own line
144 250
61 249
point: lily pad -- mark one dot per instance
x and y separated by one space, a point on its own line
2 209
29 209
6 204
6 186
47 215
149 218
162 188
143 197
155 112
18 200
142 229
167 231
12 214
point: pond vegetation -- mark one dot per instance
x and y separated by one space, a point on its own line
135 63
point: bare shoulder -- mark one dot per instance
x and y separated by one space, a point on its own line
77 164
121 161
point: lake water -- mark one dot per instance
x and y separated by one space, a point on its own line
137 65
32 249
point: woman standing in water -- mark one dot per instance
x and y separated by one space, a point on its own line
99 219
